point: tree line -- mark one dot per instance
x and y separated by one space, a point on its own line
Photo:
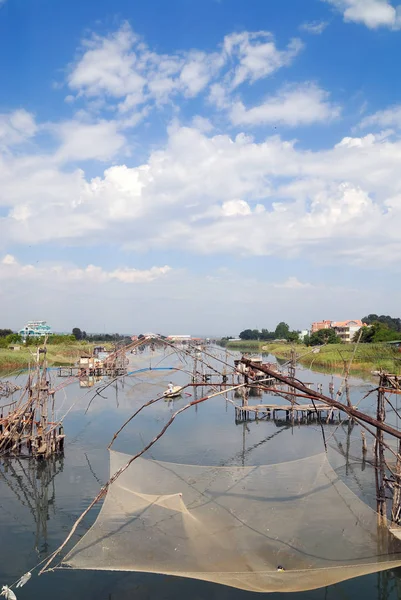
282 332
99 337
379 328
8 338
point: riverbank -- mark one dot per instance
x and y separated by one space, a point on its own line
57 355
368 357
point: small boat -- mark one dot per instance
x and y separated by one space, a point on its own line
173 392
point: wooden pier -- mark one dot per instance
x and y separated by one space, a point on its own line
78 372
301 413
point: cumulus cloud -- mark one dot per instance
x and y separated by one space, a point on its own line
257 55
123 69
85 141
314 27
10 268
372 13
217 194
16 127
121 66
293 106
204 189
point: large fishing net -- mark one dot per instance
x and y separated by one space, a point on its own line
285 527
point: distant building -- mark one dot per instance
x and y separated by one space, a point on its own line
303 334
347 329
35 329
184 340
318 325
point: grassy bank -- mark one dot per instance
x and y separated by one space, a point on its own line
368 357
57 355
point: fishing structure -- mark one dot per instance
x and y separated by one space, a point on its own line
230 525
8 388
28 426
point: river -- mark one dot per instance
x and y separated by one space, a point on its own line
40 502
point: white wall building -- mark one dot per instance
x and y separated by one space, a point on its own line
35 329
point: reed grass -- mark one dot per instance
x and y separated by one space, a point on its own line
368 357
57 355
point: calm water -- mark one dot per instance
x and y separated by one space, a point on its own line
39 503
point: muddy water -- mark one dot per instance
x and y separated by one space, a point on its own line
39 503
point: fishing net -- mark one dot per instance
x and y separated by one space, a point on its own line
286 527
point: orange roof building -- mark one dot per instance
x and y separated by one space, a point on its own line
347 329
318 325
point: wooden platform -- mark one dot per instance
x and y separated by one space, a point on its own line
85 372
298 412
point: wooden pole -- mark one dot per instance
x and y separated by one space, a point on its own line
352 412
396 507
379 458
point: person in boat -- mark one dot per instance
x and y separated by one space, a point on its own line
170 388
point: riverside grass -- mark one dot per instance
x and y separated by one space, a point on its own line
57 355
368 357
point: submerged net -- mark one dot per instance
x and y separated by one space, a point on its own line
287 527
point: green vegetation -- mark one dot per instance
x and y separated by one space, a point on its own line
323 336
368 357
99 337
377 332
61 354
391 323
282 332
62 350
5 332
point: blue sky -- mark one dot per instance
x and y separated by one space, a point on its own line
199 166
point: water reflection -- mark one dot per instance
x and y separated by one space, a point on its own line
89 381
32 484
206 434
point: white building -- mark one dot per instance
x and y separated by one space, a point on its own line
347 329
35 329
184 340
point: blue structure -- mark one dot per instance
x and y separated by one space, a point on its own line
35 329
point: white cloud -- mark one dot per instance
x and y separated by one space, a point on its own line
257 55
292 283
122 69
372 13
86 141
10 268
302 105
233 208
314 27
202 124
220 195
390 117
179 300
108 66
198 70
121 66
16 127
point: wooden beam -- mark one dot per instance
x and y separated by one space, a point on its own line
352 412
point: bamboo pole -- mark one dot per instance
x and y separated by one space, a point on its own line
356 414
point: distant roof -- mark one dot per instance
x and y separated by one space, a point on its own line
350 323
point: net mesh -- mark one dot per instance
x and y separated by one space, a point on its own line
286 527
